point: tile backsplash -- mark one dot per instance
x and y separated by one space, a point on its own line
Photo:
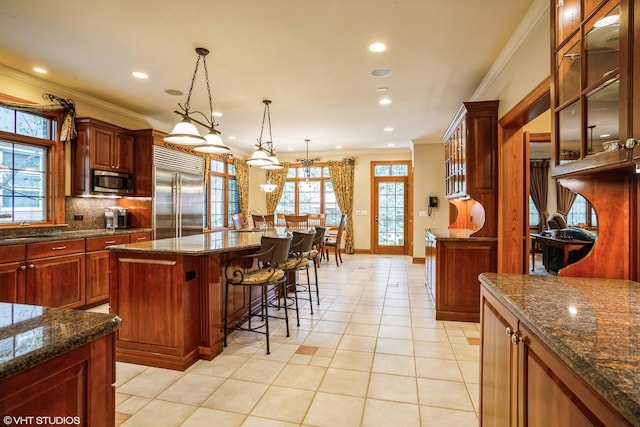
90 209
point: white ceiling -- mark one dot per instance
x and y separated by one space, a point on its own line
309 57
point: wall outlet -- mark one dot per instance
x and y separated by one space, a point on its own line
423 213
78 217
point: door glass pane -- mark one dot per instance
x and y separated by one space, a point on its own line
569 133
602 45
391 213
602 117
569 71
331 209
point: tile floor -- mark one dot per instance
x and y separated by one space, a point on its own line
371 355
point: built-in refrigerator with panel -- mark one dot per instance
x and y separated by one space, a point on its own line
178 200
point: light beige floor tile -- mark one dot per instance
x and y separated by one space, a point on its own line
395 346
470 371
151 382
434 349
362 329
368 309
207 417
330 326
284 404
440 417
440 369
429 334
394 331
465 352
159 413
341 306
236 396
222 365
343 381
368 318
334 410
252 421
444 394
121 397
357 343
323 339
280 351
474 392
394 364
383 413
337 316
126 371
320 361
393 387
132 405
191 389
259 370
300 376
356 360
301 359
390 310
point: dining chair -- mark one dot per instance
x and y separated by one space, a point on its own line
335 241
316 219
263 220
297 221
270 272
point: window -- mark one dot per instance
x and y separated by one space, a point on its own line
582 212
309 190
25 148
534 215
223 193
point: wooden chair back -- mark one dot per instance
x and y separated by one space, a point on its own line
297 221
316 219
261 220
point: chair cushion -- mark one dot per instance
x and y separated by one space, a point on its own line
293 263
257 277
312 254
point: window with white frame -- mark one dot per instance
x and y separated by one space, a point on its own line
223 193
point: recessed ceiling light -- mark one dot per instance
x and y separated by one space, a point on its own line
384 101
382 89
231 137
607 20
388 129
338 146
606 135
377 47
290 149
173 92
140 75
381 73
217 114
391 145
40 70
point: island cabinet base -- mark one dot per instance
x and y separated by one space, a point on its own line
171 306
75 388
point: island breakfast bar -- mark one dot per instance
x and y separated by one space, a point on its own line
170 295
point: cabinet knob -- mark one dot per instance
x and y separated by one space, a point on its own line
508 331
515 339
23 267
32 266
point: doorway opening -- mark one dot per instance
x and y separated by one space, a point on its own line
390 206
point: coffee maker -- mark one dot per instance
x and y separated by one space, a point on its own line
116 217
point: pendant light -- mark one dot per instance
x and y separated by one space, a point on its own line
264 156
186 132
306 163
268 187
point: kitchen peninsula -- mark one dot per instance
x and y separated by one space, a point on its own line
559 351
169 294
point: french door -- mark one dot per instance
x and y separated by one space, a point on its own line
390 207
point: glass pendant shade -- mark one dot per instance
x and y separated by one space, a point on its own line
259 158
268 188
275 164
214 144
185 133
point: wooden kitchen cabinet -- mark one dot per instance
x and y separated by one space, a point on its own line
97 267
99 146
55 273
12 273
524 383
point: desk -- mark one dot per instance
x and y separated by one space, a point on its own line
566 245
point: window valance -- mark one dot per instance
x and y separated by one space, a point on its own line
66 106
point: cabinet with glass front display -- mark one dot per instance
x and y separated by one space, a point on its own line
593 86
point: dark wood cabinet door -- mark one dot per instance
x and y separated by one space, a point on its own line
101 144
12 282
56 281
97 277
123 153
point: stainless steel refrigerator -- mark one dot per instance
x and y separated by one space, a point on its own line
178 201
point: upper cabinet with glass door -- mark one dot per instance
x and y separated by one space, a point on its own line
592 74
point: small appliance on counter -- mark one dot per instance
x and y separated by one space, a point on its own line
116 217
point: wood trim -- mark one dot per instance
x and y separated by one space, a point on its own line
531 106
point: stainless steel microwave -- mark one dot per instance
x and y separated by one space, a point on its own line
111 182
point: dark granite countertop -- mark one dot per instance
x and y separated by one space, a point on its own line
30 334
593 325
7 239
456 234
202 244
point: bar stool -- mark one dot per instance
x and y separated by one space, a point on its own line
335 242
301 244
315 254
271 258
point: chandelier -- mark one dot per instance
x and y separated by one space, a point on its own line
185 132
306 163
268 187
264 156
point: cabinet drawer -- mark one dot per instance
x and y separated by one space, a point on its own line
99 243
54 248
12 253
139 237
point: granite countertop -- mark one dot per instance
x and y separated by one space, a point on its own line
202 244
9 239
456 234
30 334
593 325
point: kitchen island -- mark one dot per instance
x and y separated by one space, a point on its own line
170 295
559 351
56 366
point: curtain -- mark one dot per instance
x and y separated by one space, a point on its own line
539 189
277 177
341 174
242 182
566 198
66 106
